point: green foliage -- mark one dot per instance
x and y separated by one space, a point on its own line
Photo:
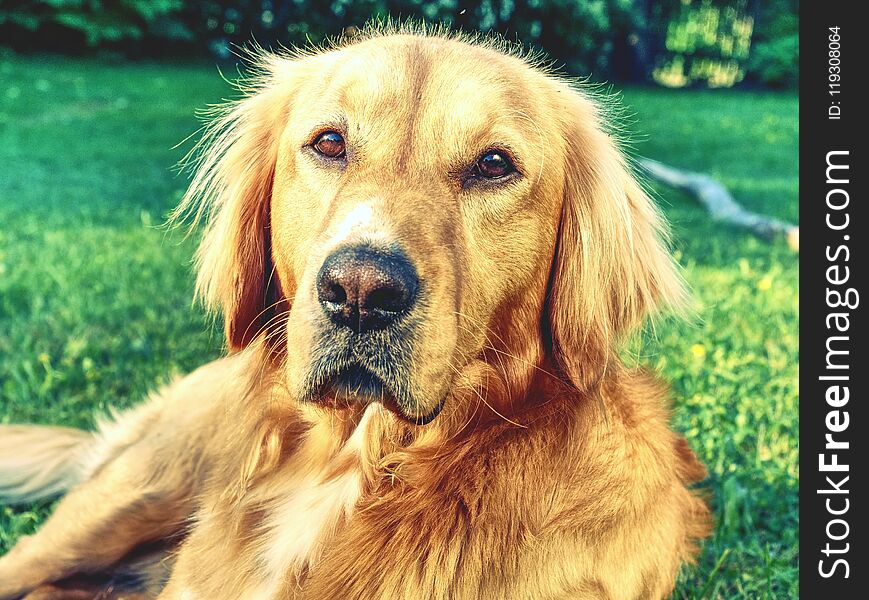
580 34
95 298
676 42
98 21
775 57
721 42
706 42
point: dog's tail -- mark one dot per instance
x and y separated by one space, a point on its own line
39 462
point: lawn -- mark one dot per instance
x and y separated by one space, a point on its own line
95 297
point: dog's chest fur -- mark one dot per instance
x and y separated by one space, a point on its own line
302 521
299 527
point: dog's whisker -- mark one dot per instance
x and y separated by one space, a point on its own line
492 408
486 331
262 312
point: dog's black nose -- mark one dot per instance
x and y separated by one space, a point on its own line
365 288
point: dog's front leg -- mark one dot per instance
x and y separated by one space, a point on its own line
148 471
100 522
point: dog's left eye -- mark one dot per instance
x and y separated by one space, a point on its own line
494 164
330 144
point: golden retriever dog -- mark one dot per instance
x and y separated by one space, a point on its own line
426 251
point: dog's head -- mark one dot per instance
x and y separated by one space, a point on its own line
406 216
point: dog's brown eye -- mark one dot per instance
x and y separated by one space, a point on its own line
330 144
494 164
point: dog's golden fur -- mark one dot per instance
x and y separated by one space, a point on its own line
550 472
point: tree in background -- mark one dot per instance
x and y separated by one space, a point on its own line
775 53
71 25
671 42
705 43
580 35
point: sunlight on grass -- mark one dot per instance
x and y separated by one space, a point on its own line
735 368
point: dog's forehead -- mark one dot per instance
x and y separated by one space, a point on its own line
399 60
449 85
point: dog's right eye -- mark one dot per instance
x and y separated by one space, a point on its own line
330 144
494 165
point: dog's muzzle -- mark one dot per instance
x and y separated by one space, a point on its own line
365 340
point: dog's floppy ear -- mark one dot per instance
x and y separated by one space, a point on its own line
234 165
612 267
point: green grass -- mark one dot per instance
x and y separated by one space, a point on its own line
95 298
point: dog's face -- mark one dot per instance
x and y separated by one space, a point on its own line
401 189
407 215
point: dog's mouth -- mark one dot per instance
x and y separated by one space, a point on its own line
350 385
356 384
